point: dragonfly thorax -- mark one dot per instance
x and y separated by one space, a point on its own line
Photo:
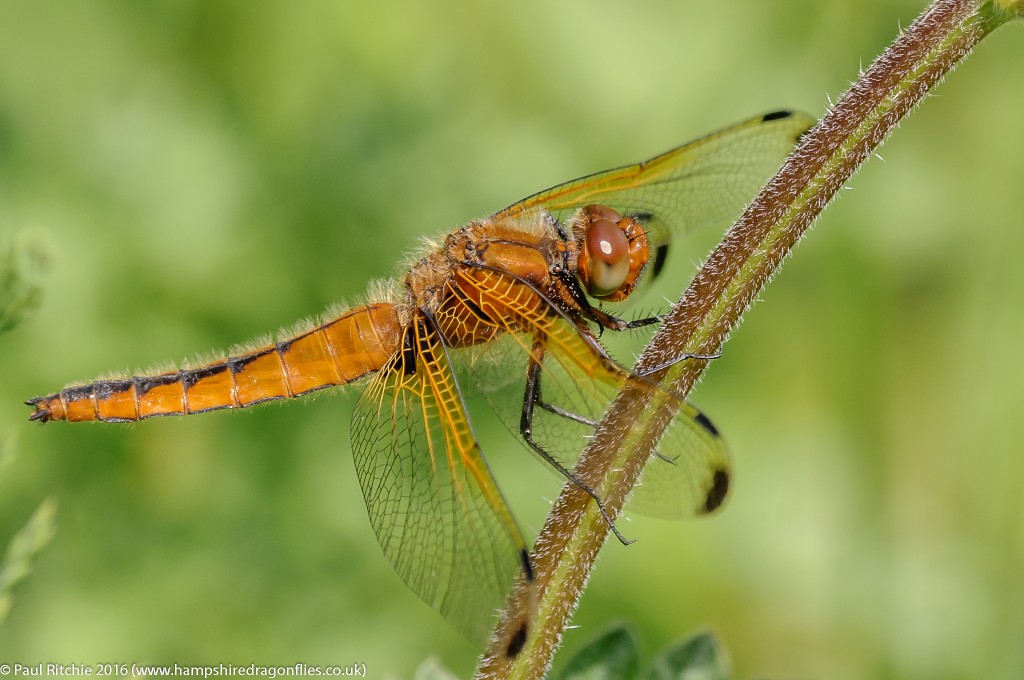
427 278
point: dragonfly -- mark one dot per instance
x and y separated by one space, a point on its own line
511 308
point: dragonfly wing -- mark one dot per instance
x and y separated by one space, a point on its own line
691 473
704 182
578 382
436 510
507 358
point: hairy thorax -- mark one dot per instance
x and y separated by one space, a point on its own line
447 282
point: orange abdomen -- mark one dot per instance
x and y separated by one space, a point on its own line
337 352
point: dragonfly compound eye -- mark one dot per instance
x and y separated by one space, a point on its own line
607 262
613 251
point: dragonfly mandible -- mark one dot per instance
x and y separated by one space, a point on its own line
508 305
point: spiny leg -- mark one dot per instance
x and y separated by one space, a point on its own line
569 415
604 320
532 398
646 321
675 360
614 323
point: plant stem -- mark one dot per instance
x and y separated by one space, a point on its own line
723 289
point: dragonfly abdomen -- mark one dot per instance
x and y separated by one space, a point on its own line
336 352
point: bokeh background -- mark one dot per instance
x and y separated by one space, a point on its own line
206 172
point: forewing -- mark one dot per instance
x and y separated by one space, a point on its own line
689 475
433 504
707 181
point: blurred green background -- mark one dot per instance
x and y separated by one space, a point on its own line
206 172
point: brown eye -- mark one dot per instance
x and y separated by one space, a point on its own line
612 252
607 261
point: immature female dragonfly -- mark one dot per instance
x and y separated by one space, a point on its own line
502 305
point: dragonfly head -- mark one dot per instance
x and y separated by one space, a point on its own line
613 251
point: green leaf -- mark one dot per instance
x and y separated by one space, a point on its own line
613 656
698 658
23 548
23 262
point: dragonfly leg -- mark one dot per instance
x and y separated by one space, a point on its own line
668 459
531 399
614 323
675 360
575 417
646 321
569 415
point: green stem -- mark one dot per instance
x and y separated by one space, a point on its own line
723 289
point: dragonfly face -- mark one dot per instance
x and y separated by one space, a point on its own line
508 306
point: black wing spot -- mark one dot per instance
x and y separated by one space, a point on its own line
706 423
719 490
527 565
518 641
776 115
660 255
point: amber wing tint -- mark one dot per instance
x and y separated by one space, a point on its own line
690 473
433 504
707 181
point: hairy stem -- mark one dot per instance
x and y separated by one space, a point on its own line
723 289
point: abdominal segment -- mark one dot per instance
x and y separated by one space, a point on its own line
336 352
